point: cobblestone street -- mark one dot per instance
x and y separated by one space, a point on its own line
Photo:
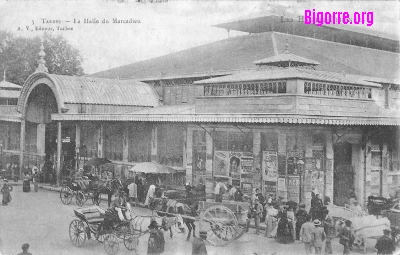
41 220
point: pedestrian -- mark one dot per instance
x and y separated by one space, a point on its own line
219 190
316 207
385 245
198 245
150 194
133 193
291 224
232 190
346 237
305 234
156 242
270 219
284 233
25 248
238 196
329 228
255 213
301 217
318 236
6 190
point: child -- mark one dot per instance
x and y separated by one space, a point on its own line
198 245
385 244
25 248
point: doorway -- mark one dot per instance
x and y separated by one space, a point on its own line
343 174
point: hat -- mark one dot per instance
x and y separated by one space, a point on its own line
25 246
5 180
386 230
302 206
317 222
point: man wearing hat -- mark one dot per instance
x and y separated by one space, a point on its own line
25 248
385 244
6 190
318 236
255 212
198 245
301 217
120 204
156 242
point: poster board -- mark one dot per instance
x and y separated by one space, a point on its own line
221 164
293 188
270 166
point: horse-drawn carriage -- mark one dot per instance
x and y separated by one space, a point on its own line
84 189
106 227
223 222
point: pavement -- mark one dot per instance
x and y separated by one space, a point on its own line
40 219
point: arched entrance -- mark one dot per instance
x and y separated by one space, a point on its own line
40 136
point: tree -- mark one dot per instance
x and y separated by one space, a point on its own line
19 56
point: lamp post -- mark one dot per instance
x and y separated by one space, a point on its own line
300 168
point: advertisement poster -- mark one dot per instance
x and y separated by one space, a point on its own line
247 160
199 162
281 188
270 188
270 165
221 163
293 188
235 164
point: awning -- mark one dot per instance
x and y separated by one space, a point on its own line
11 118
233 118
150 167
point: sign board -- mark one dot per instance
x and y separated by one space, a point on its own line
270 166
66 139
293 188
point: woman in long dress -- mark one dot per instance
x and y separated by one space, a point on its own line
150 194
270 219
6 190
284 233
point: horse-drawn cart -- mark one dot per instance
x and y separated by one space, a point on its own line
82 192
94 221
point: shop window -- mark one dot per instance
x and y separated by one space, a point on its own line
170 145
233 141
89 136
139 143
113 141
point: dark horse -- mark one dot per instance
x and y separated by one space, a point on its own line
99 187
170 208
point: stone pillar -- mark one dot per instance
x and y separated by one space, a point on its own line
281 153
188 154
358 167
59 151
77 144
100 141
257 179
40 139
328 187
367 169
22 148
154 147
125 145
385 170
209 166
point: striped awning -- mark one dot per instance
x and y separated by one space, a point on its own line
230 118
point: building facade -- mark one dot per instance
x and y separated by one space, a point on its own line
292 114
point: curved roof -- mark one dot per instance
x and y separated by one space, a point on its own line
97 91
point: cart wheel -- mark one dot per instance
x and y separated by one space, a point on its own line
96 198
111 244
221 225
80 198
396 236
77 233
66 195
131 242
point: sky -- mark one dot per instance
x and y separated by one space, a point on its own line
164 27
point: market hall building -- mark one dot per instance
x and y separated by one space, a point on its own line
286 109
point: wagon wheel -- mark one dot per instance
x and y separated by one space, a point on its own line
396 236
96 198
80 198
66 195
131 242
77 233
221 225
111 244
100 233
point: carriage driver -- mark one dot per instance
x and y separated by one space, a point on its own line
120 205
